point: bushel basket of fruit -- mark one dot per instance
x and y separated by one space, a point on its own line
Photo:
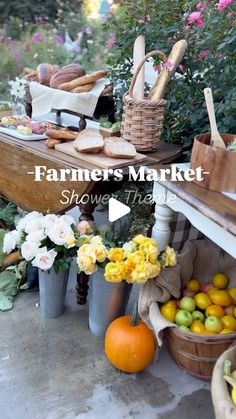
205 314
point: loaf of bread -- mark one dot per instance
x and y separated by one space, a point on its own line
45 71
83 89
89 141
117 148
51 142
81 81
66 74
62 134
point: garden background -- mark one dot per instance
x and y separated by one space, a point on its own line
101 34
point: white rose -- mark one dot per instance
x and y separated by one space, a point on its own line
50 220
60 233
33 224
129 247
11 239
23 222
29 250
44 259
67 219
96 240
36 236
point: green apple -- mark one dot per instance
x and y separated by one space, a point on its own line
184 328
183 318
214 324
198 315
187 303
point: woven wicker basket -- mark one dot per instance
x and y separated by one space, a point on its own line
142 120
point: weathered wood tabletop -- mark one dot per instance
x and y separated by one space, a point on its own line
216 206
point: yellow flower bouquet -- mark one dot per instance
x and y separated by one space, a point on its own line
136 261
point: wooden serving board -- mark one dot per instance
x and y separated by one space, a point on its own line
99 159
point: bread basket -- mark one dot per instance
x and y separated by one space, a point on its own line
142 119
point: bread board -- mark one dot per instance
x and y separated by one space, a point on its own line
99 159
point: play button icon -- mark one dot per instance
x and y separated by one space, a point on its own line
116 209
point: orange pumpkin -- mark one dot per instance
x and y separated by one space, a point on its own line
129 344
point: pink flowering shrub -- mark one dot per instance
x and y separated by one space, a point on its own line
209 26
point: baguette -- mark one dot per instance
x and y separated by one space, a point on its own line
89 141
66 74
83 89
81 81
119 149
61 134
51 142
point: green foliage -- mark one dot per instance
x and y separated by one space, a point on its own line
10 282
210 60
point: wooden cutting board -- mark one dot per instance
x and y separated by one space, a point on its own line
99 159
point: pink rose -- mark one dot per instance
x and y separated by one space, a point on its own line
37 38
204 53
200 6
194 17
141 21
223 4
200 23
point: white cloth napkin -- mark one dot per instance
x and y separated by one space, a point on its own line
44 99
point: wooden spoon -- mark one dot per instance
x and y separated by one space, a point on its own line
216 140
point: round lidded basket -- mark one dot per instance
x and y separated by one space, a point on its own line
142 119
195 353
219 162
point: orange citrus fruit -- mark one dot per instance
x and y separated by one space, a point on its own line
225 331
229 322
197 327
232 293
221 297
212 290
193 285
168 310
202 300
235 312
215 310
220 281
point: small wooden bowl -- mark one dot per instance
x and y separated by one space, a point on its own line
220 163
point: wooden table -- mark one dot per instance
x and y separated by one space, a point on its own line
19 157
212 213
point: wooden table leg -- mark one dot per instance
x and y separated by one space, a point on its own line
86 211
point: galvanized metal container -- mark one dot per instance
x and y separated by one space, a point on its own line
52 291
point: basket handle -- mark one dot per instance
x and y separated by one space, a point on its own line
155 53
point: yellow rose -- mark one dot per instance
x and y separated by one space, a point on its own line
136 257
70 241
86 264
170 257
129 265
153 269
87 250
100 252
139 239
114 272
116 254
140 273
150 249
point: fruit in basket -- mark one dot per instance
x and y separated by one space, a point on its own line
213 324
212 290
183 318
229 322
184 328
226 331
168 310
215 310
202 300
198 315
208 332
232 293
197 327
230 310
187 303
193 285
188 293
220 281
129 343
221 297
206 287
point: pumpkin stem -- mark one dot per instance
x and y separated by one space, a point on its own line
135 317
